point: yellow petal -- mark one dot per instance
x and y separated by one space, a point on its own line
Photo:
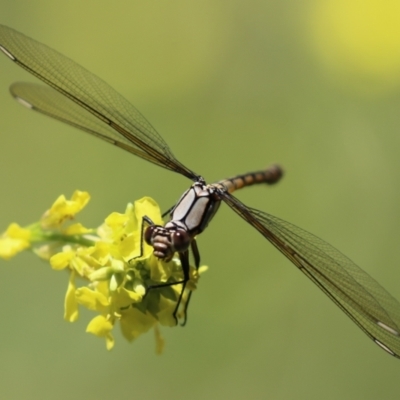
99 326
146 206
101 252
80 263
76 229
101 274
70 304
102 287
16 232
10 247
123 298
134 323
116 220
61 260
110 341
91 299
129 247
202 269
80 199
63 209
14 240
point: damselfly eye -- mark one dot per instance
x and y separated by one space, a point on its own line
148 233
180 240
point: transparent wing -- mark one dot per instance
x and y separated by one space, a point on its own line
367 303
126 125
46 100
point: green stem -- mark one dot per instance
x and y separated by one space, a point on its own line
58 237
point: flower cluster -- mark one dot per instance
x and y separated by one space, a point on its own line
114 263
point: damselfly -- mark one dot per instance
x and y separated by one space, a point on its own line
81 99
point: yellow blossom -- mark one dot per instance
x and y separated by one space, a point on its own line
63 209
115 265
14 240
124 230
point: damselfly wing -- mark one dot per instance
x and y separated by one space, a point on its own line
81 99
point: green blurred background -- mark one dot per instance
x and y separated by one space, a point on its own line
232 86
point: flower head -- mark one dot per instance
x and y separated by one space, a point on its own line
115 264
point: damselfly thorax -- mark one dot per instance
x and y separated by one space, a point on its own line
196 208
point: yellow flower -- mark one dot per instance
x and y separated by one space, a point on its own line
14 240
116 265
124 230
63 209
